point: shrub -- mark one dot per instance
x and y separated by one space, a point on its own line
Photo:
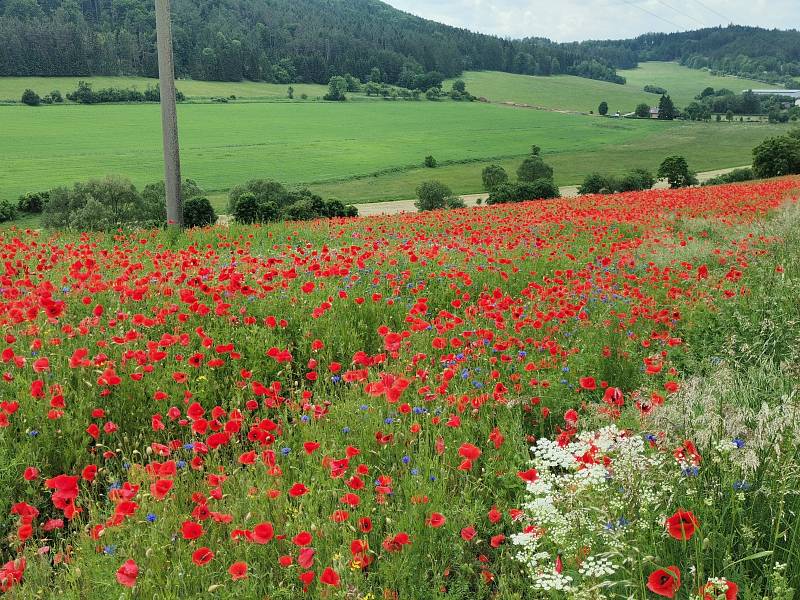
593 183
154 200
643 110
98 204
432 195
32 202
675 170
735 176
492 176
56 96
8 212
636 180
430 162
31 98
521 192
198 212
265 190
777 156
655 89
603 108
533 168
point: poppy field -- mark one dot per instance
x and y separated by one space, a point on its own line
590 398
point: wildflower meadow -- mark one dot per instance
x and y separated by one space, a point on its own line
589 398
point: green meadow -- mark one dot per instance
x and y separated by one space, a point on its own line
362 151
565 92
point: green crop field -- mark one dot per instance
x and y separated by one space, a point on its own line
11 88
357 152
565 92
293 142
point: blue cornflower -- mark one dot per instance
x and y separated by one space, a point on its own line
345 430
406 460
110 550
181 464
691 471
738 442
286 451
151 518
741 486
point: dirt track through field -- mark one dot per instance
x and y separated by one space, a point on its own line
400 206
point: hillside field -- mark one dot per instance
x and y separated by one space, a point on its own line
566 92
359 151
454 405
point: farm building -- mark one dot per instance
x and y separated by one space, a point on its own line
654 112
792 93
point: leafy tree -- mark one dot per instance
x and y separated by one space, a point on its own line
31 98
432 195
459 86
337 87
246 211
666 108
729 115
290 93
643 110
198 212
697 112
603 108
655 89
777 156
56 96
533 168
535 150
430 162
709 91
492 176
676 171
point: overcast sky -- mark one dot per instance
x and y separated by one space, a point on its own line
569 20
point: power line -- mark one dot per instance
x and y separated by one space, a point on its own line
688 16
708 8
652 14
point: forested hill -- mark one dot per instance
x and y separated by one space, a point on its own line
273 40
311 40
768 55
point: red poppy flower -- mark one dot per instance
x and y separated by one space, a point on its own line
588 383
238 570
202 556
191 530
298 489
665 582
329 577
263 533
302 539
127 573
682 525
468 533
530 475
436 520
469 452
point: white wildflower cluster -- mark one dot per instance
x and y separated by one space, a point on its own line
590 495
597 567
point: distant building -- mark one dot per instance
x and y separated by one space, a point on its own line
797 102
654 112
792 93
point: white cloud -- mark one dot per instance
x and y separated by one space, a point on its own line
569 20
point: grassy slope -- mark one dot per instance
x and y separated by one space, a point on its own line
11 88
565 92
731 147
304 142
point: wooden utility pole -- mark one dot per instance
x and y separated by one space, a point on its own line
169 117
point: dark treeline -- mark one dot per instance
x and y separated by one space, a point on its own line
281 41
287 41
766 55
